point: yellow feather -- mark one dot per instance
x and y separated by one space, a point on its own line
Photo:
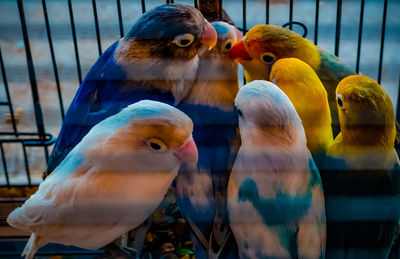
304 89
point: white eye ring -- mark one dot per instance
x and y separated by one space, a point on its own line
156 145
227 45
340 102
267 58
184 40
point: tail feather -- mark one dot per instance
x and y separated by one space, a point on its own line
31 247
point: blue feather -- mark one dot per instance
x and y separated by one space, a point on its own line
101 95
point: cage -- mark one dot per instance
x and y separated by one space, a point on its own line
47 47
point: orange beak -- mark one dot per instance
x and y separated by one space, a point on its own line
209 36
238 51
187 153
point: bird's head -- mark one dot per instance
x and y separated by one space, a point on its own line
227 36
264 44
169 32
301 84
265 110
145 136
366 113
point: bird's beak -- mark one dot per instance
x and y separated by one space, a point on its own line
187 153
239 51
209 36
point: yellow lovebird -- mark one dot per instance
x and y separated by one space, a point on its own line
264 44
304 89
360 173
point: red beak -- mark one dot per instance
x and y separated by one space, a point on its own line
187 153
238 51
209 36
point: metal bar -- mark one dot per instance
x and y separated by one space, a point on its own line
28 174
143 6
196 4
121 26
244 16
267 12
382 40
96 23
316 22
290 15
78 63
338 20
3 159
360 36
53 59
9 103
32 77
220 10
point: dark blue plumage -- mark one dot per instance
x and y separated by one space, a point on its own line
148 63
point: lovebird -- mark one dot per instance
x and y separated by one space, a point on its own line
201 189
264 44
156 60
307 94
361 175
275 196
111 181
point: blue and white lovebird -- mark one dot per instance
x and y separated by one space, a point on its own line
111 181
201 189
275 197
155 60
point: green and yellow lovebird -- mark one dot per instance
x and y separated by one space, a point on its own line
360 173
304 89
264 44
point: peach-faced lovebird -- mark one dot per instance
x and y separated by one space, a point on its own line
201 189
155 60
361 173
264 44
111 181
307 94
275 197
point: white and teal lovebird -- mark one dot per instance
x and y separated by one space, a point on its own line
201 189
275 197
111 181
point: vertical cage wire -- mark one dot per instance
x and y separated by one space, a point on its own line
4 162
143 6
382 41
316 22
338 21
121 25
360 36
290 14
267 12
96 23
78 63
53 59
32 76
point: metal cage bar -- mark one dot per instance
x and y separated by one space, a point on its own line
316 22
360 36
338 21
53 59
267 12
385 4
96 23
121 25
78 62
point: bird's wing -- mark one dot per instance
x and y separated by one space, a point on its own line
85 110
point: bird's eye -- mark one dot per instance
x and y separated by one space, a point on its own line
267 58
184 40
156 145
227 46
340 102
239 112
